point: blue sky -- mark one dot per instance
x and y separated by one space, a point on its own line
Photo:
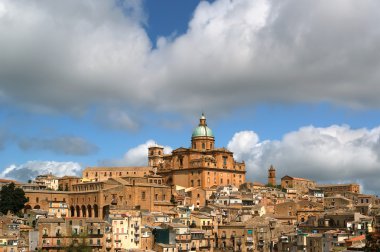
90 83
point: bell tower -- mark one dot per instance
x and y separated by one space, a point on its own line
155 155
272 176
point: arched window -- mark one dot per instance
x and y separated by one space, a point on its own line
203 146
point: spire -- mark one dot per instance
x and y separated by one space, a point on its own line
202 120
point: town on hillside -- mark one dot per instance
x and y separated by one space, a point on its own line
193 199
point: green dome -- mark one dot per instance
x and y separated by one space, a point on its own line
202 131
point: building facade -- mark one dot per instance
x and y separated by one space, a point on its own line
201 165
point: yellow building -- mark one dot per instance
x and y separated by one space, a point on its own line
200 165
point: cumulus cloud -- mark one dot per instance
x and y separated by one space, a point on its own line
31 169
70 55
136 156
331 154
69 145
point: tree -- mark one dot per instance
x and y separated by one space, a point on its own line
12 199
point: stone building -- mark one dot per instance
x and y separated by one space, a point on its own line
105 173
303 210
95 199
302 185
65 183
58 234
48 181
200 165
331 189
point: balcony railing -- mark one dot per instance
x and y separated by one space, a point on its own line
183 240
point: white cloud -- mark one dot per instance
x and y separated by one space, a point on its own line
331 154
136 156
70 55
31 169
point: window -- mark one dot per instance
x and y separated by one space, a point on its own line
192 182
199 182
164 197
156 197
37 199
110 174
224 161
143 195
203 146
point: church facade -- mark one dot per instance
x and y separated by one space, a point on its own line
201 165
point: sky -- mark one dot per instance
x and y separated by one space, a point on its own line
290 83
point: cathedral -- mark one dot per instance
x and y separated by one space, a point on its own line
201 165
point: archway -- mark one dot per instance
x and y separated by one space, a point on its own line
83 211
26 208
106 211
37 207
78 211
89 210
96 214
72 211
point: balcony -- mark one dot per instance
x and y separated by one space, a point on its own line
108 239
137 226
51 246
95 235
205 227
137 239
95 245
183 240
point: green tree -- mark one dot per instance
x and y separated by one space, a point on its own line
12 199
